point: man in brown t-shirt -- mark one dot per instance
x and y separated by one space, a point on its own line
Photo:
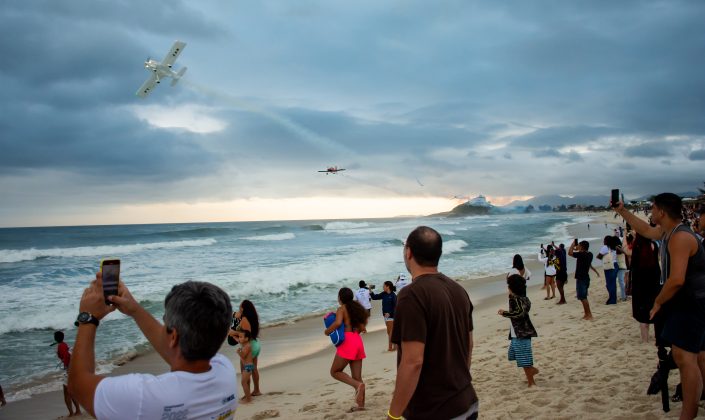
433 332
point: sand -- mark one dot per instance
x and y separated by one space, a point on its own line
588 369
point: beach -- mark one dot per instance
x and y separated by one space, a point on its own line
588 369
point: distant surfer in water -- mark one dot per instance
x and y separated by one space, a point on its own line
352 350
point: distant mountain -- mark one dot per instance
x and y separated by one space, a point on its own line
558 200
473 207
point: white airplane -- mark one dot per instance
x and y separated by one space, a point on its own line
162 69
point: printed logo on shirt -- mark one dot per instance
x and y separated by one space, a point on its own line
172 412
228 399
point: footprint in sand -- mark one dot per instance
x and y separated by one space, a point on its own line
327 393
308 407
267 414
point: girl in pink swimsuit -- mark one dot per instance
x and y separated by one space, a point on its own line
352 350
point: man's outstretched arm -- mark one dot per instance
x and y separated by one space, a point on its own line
82 378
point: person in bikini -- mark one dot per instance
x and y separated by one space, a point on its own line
352 350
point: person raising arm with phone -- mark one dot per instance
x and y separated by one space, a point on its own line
683 278
201 383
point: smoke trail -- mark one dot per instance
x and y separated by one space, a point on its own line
303 133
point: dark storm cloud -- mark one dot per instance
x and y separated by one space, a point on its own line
697 155
559 137
649 150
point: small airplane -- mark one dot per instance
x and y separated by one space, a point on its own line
162 70
332 170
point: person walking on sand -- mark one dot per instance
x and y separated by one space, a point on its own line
200 384
247 319
521 330
433 333
561 272
519 268
64 354
389 303
352 350
583 265
683 277
550 265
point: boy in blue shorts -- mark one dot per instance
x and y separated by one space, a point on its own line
521 329
583 265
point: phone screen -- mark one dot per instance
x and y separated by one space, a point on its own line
111 275
615 197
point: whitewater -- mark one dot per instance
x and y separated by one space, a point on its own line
289 269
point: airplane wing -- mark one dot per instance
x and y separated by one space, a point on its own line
147 86
173 54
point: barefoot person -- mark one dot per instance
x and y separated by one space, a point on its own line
561 273
64 354
247 319
521 330
433 332
201 383
389 303
550 264
583 265
683 279
352 350
246 359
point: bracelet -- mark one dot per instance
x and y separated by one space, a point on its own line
389 414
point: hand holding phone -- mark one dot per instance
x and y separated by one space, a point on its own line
615 198
110 270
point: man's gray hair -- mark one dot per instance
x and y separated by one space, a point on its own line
201 313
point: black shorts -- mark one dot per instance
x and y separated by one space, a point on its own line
562 278
685 325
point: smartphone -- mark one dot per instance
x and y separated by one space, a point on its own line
615 197
576 241
110 267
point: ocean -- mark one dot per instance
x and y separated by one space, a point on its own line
289 269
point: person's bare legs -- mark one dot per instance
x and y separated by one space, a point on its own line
552 283
561 292
586 309
530 372
390 325
336 371
77 411
691 381
67 400
246 387
644 332
255 379
547 282
356 370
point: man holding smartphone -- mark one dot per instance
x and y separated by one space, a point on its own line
201 383
683 279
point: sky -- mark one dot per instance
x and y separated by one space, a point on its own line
420 102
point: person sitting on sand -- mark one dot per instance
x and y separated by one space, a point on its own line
352 350
583 265
247 319
248 364
550 264
201 383
519 268
64 354
521 330
389 302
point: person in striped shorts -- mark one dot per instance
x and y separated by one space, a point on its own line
521 330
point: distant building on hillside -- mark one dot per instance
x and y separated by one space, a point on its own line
479 201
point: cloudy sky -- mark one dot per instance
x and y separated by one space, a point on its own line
419 101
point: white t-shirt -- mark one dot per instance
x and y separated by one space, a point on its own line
401 283
527 273
363 297
610 257
173 395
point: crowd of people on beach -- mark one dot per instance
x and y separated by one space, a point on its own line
428 319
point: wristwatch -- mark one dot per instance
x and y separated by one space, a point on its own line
86 318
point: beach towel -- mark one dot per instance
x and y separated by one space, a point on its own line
338 336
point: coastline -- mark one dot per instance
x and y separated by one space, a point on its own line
290 348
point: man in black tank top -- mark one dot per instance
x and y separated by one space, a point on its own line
683 279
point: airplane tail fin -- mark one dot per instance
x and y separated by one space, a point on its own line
179 75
